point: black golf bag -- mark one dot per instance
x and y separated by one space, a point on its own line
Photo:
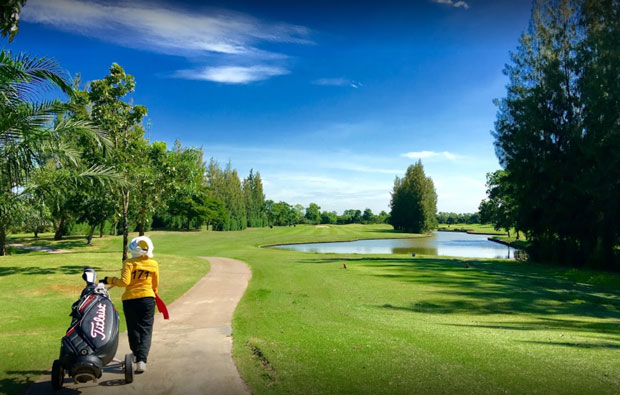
92 338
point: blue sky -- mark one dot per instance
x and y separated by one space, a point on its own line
328 100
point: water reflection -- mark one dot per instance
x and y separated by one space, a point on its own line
439 243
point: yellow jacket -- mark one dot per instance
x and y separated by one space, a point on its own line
141 277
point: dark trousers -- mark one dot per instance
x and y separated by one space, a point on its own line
139 315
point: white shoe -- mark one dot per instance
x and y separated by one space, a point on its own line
141 367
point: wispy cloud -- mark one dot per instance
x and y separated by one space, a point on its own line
337 82
456 4
228 38
431 154
232 74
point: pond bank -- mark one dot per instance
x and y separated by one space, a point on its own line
343 241
469 231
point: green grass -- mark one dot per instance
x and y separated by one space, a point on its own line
478 228
388 323
37 290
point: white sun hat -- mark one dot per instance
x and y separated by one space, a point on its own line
141 246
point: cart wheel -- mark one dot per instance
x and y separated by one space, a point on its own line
128 368
58 375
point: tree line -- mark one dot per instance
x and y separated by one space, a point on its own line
285 214
557 135
86 160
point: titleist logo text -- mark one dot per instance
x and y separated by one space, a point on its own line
97 326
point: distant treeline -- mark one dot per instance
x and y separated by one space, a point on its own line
454 218
285 214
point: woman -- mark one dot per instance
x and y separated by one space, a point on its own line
140 276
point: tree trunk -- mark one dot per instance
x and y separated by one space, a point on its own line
89 238
125 202
517 235
2 239
101 229
36 234
59 229
141 227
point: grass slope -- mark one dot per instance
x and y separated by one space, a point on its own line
387 323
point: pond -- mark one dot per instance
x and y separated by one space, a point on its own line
439 243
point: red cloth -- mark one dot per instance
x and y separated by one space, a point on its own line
161 307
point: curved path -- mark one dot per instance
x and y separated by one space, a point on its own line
192 352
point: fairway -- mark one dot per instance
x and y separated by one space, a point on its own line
385 324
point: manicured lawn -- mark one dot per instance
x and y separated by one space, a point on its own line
386 324
37 290
478 228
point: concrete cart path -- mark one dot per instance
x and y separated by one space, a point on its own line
191 353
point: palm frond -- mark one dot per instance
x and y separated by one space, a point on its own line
104 174
22 76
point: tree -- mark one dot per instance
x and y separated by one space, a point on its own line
500 209
224 185
122 122
254 200
313 213
414 201
383 217
283 214
9 11
269 212
32 133
215 213
599 88
35 216
329 217
368 217
183 198
299 213
557 131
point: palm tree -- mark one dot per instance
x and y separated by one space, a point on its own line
32 130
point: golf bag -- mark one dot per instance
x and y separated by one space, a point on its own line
92 338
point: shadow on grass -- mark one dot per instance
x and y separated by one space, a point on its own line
542 324
396 232
60 244
34 270
576 345
21 380
491 287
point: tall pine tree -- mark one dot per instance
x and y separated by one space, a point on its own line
414 201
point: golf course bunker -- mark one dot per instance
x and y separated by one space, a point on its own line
455 244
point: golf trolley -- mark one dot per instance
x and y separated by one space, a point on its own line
92 338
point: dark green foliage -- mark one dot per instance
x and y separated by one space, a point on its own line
329 217
414 201
9 12
557 132
254 200
225 186
500 208
313 213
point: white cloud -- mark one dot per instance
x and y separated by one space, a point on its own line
232 74
155 28
456 4
337 82
431 154
202 33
